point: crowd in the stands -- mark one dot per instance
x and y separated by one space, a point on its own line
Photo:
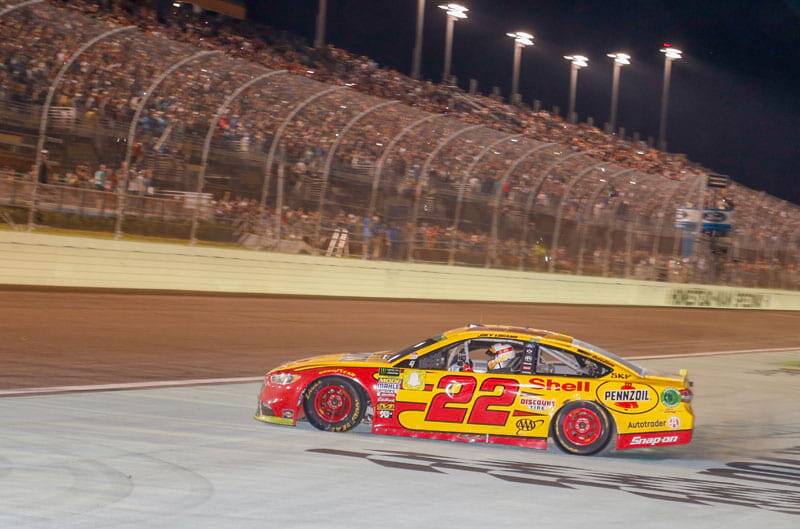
343 119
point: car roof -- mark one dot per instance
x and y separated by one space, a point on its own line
529 333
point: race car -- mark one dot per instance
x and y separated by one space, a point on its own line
488 384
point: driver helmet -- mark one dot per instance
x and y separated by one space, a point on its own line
501 355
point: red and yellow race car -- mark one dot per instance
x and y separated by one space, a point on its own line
488 384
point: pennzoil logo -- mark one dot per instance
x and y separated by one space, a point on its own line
627 397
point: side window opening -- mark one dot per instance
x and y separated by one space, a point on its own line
553 361
435 360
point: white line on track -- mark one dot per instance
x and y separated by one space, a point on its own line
715 353
129 385
25 392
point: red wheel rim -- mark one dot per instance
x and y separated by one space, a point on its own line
582 426
333 403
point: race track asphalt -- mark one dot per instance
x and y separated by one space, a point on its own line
193 458
53 338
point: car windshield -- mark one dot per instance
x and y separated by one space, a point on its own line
391 357
639 370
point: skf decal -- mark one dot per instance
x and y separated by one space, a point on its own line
627 397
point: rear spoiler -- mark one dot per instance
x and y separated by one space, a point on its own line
684 374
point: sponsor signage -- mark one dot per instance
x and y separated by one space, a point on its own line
702 297
414 380
687 219
528 425
537 404
386 410
337 371
627 397
717 220
644 440
554 385
671 397
658 423
388 385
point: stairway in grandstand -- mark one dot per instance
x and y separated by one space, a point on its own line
312 185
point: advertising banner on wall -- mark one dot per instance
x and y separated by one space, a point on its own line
717 221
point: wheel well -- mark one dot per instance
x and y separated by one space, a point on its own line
359 386
608 413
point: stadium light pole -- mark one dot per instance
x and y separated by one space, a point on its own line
454 12
577 62
521 40
322 17
620 60
416 65
670 54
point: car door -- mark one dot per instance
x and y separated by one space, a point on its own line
438 395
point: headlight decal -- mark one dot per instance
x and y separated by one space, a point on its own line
283 379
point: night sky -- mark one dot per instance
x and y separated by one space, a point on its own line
734 103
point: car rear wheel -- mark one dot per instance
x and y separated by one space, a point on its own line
582 428
334 404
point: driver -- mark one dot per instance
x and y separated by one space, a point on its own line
501 355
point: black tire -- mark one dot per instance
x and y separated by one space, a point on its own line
582 428
334 404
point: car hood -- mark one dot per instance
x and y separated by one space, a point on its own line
374 359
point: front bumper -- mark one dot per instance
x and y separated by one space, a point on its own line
277 405
271 419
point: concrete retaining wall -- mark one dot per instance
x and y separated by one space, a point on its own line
61 261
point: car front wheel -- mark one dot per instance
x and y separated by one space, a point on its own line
334 404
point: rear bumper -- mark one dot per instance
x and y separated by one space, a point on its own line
628 441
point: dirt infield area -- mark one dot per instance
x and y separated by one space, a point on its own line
70 338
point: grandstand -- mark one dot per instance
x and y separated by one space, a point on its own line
216 129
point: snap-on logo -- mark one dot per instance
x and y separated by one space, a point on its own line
638 440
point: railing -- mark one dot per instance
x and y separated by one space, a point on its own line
91 209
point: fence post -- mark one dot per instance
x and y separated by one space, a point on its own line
51 92
212 128
134 124
424 175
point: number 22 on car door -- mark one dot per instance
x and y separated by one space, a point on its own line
477 403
